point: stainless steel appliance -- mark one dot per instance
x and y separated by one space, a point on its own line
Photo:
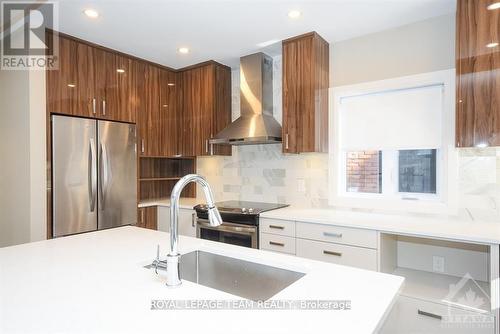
93 174
256 125
240 222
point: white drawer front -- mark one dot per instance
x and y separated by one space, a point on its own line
277 226
341 254
413 316
337 234
277 243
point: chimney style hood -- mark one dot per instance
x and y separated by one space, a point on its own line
256 125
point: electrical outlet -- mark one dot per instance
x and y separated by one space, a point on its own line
438 264
301 185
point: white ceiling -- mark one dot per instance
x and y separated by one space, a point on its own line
224 30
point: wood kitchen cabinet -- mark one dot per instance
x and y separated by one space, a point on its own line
478 76
157 111
91 82
148 217
63 87
305 94
205 108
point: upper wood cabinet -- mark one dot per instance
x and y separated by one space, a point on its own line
305 94
205 108
62 83
157 111
478 74
91 82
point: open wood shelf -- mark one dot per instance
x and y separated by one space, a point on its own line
158 175
160 179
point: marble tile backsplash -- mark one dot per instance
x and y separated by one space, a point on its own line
263 173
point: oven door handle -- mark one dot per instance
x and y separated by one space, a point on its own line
227 227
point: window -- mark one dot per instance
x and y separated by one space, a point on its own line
390 144
372 172
364 172
417 171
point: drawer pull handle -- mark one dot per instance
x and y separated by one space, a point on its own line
332 253
333 235
276 243
277 227
430 315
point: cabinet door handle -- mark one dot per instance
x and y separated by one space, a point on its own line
104 107
93 105
277 227
142 216
206 145
332 253
430 315
192 219
274 243
286 141
333 235
142 145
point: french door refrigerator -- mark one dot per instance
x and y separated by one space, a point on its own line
93 175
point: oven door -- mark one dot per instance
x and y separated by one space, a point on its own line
229 233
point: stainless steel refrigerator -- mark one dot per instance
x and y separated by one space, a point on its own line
93 175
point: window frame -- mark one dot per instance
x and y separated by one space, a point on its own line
445 200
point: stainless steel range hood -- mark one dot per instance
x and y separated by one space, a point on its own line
256 125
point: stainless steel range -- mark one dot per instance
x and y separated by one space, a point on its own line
240 222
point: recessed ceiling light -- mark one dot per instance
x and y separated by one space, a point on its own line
294 14
92 13
183 50
492 45
120 70
71 85
493 6
170 84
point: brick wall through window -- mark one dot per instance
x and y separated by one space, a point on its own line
364 172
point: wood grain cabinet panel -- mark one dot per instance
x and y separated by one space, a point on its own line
478 74
168 126
205 108
148 218
62 83
305 94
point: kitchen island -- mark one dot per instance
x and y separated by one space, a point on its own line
96 283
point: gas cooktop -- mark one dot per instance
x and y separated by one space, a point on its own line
243 207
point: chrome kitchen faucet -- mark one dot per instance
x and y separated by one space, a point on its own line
173 277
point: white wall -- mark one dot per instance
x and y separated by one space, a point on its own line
425 46
14 152
22 150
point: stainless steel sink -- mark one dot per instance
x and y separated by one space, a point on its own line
246 279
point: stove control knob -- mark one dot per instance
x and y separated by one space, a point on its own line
250 210
244 210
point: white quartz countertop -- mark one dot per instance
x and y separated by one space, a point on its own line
184 202
95 283
442 227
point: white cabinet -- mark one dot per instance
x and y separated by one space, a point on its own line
359 257
277 226
416 316
187 221
277 243
337 234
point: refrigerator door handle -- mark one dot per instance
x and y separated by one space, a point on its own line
105 174
92 175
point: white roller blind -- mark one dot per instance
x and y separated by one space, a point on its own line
398 119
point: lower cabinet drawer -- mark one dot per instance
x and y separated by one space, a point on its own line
341 254
277 243
415 316
337 234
